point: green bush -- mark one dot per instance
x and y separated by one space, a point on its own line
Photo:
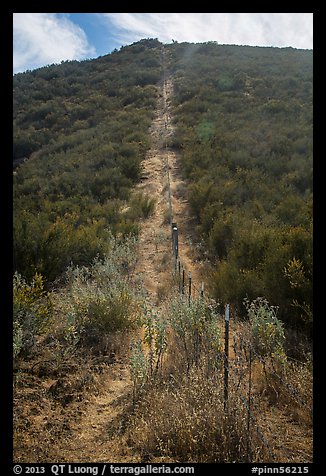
89 123
267 330
196 330
155 338
139 366
49 248
141 206
32 311
100 300
246 152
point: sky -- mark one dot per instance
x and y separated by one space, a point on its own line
40 39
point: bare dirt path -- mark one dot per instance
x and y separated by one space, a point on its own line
154 238
180 206
98 435
161 178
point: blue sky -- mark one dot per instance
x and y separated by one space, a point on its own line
45 38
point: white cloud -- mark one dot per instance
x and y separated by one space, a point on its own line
46 38
260 29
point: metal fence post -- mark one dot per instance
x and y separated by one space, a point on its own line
226 356
189 277
183 281
179 273
249 408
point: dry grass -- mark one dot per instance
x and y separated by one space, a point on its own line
289 390
179 417
164 289
185 421
182 417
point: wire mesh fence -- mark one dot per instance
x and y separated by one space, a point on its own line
262 383
252 380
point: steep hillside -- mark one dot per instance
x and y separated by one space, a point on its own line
115 358
80 134
243 126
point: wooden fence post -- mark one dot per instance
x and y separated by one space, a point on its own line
175 240
202 290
